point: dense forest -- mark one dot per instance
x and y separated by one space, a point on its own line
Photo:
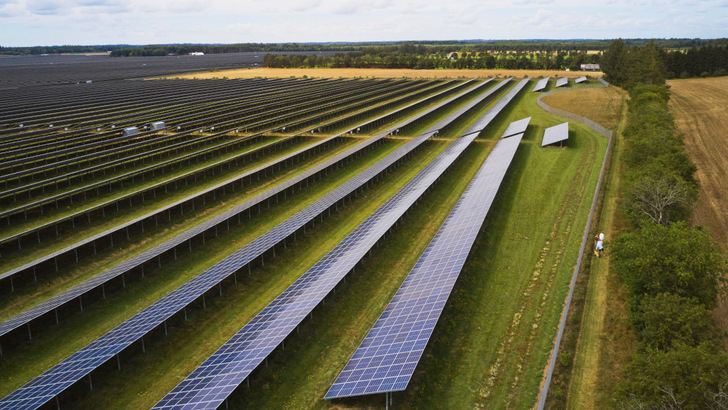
672 270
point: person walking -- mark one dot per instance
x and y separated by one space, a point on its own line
599 246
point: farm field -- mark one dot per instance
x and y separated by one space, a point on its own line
381 73
490 346
699 109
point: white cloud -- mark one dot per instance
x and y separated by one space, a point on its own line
30 22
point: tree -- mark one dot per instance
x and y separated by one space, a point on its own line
662 199
665 321
683 378
676 258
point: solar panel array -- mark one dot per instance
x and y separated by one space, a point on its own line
557 133
601 80
482 122
580 80
562 82
516 127
213 381
52 382
71 294
388 356
541 85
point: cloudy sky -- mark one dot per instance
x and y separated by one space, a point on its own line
86 22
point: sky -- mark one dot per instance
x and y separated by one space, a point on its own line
92 22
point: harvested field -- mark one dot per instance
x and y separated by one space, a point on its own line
383 73
699 109
601 105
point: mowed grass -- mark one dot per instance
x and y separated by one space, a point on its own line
603 338
699 109
491 345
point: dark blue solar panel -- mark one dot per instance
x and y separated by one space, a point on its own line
49 384
210 384
126 266
541 84
482 122
386 359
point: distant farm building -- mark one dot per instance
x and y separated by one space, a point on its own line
590 67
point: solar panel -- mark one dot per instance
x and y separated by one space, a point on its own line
516 127
562 82
482 122
601 80
69 295
541 85
52 382
386 359
557 133
580 80
210 384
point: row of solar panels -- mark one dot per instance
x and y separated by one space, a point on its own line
230 183
201 115
387 357
103 111
542 83
211 383
133 263
71 369
121 145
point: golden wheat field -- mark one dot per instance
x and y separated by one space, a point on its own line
381 72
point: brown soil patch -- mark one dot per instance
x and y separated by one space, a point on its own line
699 109
380 72
601 105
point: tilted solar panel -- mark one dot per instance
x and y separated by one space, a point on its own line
580 80
52 382
562 82
516 127
541 85
557 133
386 359
213 381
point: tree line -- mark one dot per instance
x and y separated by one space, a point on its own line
673 271
382 58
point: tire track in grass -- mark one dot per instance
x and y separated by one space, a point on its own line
495 375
